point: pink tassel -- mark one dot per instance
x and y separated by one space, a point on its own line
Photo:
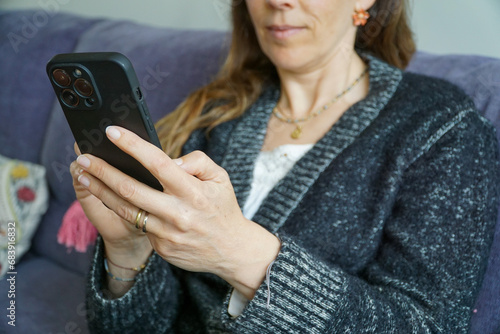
76 230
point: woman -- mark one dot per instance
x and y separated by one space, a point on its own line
316 188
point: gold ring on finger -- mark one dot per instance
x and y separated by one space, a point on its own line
146 216
138 218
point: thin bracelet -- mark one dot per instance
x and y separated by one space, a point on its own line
113 276
139 269
268 283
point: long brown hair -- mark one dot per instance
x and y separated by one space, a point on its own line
247 69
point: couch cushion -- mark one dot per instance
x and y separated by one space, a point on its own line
48 299
45 241
478 76
26 97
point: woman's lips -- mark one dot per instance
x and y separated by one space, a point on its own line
284 31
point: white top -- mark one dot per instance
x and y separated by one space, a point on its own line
270 168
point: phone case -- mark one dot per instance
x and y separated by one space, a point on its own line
96 90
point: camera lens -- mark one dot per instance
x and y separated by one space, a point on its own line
83 87
61 77
69 97
90 102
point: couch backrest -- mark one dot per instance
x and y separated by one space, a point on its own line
25 98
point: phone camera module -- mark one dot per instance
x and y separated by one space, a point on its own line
61 77
70 98
83 87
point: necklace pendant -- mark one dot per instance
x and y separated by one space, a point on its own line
297 132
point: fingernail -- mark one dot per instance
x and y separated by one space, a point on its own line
84 180
113 132
83 161
178 161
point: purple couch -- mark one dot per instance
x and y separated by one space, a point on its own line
169 63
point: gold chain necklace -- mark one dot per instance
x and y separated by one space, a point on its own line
298 130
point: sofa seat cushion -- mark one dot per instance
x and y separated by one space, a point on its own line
48 298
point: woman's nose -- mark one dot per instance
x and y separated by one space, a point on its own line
282 4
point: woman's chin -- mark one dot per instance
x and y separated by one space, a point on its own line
289 61
297 66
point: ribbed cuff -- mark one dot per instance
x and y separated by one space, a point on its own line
305 296
155 290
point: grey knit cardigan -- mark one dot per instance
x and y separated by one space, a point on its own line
386 223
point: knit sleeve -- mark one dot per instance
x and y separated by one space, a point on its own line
430 262
151 304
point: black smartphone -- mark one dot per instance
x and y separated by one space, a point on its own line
99 89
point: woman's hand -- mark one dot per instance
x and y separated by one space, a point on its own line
119 236
195 223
